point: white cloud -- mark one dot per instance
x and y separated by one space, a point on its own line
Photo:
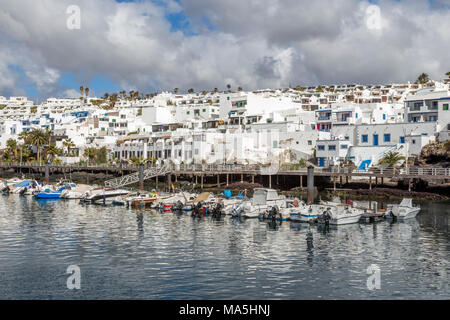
252 43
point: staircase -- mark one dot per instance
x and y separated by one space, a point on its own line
134 177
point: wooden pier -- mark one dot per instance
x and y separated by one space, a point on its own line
226 174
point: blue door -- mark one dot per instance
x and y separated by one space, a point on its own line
321 162
375 139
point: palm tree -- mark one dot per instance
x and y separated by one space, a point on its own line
423 79
113 99
90 153
106 96
216 90
390 159
239 88
25 151
86 91
137 160
68 143
191 90
48 134
82 91
448 74
25 136
12 146
38 138
175 90
53 151
228 87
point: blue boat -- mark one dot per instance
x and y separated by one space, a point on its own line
47 194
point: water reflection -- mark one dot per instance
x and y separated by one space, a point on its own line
126 253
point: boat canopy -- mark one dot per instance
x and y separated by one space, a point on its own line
24 183
261 196
406 203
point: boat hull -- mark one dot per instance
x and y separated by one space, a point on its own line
45 195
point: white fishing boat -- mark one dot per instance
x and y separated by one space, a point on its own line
101 194
338 214
305 213
25 187
75 191
263 200
404 210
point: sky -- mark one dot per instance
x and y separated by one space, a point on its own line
158 45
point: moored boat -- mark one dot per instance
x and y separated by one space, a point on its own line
404 210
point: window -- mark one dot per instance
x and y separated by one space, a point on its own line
402 139
365 138
387 137
321 148
344 146
414 141
275 144
384 116
188 112
212 110
356 115
309 142
347 138
203 110
445 107
331 147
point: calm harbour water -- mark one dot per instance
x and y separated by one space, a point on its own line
132 254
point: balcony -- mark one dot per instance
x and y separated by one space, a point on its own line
324 118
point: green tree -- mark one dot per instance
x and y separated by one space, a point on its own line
448 74
239 88
101 155
175 90
25 137
390 159
53 151
90 154
229 87
137 160
423 79
11 144
68 143
24 151
191 90
38 138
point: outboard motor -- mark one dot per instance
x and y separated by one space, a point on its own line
22 192
5 189
216 212
325 217
237 210
273 213
197 210
178 206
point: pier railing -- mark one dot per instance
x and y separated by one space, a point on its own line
257 169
